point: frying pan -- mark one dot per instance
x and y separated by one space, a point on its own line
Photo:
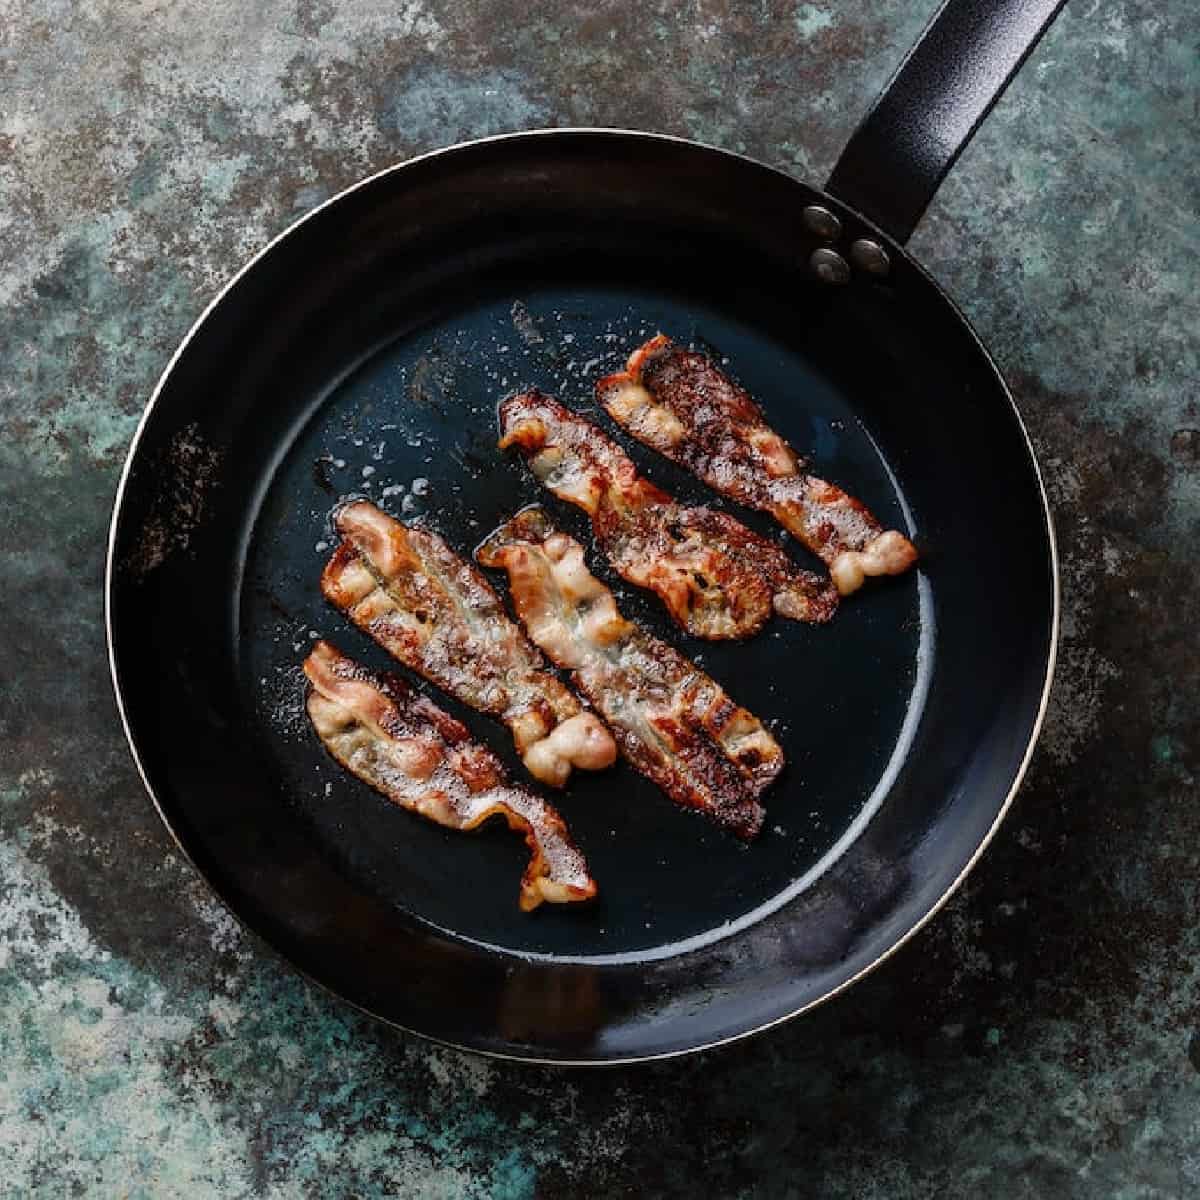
363 352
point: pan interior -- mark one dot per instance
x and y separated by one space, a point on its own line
411 424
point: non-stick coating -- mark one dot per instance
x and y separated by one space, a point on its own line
365 355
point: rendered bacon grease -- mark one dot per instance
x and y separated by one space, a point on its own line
673 723
717 578
437 614
681 404
422 759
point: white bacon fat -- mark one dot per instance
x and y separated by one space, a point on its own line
717 578
420 758
673 723
437 614
681 404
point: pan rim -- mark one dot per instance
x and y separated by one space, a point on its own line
605 132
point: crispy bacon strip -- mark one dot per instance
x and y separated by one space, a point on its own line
683 405
438 615
717 578
672 722
422 759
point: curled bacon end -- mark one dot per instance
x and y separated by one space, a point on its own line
422 759
680 403
672 722
437 614
718 579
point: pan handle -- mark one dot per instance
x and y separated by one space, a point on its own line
931 107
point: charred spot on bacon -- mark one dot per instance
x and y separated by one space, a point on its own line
438 615
680 403
422 759
672 722
717 578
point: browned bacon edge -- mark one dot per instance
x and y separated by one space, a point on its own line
422 759
717 578
680 403
673 723
438 615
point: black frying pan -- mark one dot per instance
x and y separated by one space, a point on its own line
364 350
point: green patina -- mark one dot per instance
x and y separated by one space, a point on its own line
1042 1036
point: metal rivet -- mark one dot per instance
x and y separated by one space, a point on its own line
829 266
870 256
822 222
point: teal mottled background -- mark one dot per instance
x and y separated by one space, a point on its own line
1041 1038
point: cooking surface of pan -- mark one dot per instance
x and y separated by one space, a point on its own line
415 428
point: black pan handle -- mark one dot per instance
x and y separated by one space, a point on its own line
932 106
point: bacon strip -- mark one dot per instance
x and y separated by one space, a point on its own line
422 759
672 722
683 405
438 615
717 578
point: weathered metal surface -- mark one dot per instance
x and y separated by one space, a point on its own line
1041 1037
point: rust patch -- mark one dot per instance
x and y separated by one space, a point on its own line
184 473
1185 446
